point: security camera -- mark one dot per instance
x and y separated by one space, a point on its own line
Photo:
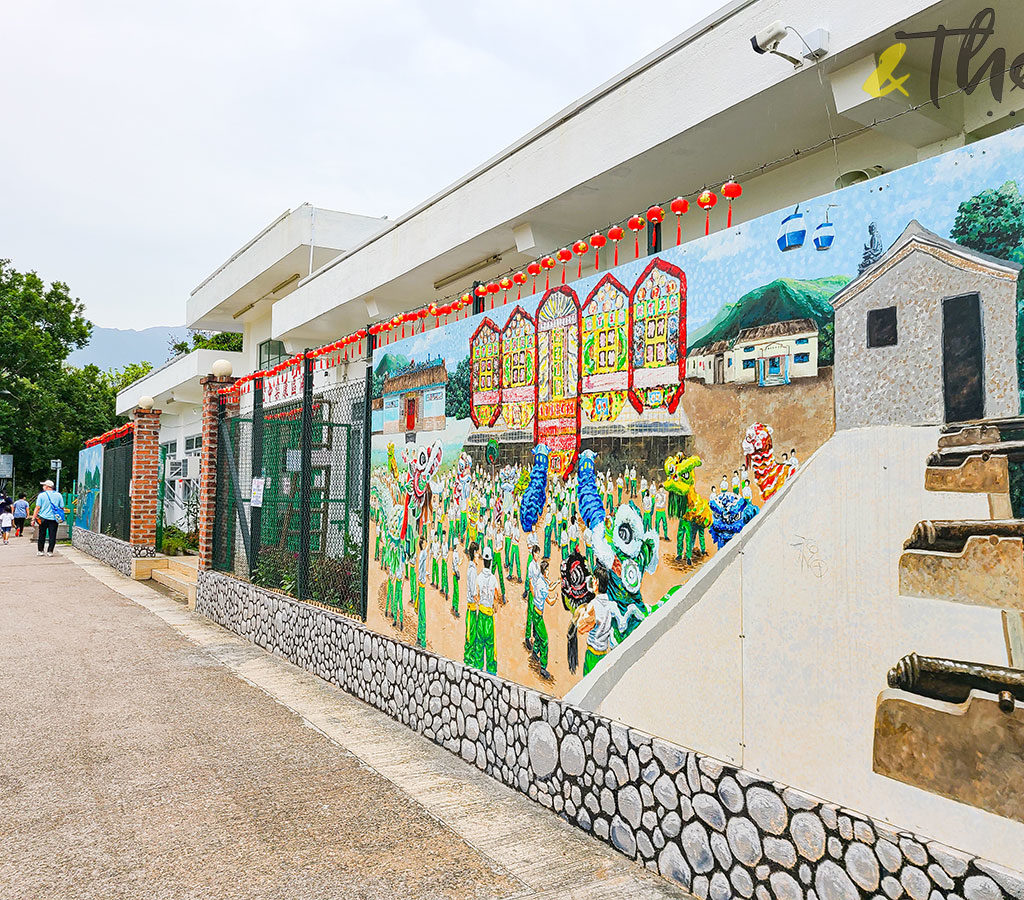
767 40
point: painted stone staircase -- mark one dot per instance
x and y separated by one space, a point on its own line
947 726
178 575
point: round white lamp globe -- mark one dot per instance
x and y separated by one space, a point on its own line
221 368
146 402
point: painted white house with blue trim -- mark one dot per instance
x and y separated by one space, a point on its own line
775 353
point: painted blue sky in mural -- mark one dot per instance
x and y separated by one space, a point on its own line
724 266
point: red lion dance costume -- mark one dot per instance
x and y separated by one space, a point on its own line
760 459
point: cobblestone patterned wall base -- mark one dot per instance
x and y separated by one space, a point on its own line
115 553
716 830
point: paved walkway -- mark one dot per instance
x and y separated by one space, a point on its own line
148 753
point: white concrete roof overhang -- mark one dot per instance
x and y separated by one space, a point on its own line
176 382
649 134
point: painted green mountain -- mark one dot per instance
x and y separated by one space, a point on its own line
779 301
390 363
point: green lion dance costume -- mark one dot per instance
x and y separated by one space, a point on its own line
686 505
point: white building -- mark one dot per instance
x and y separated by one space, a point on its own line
238 296
768 354
700 110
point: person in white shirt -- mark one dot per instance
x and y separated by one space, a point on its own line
793 461
6 524
595 621
536 631
487 593
456 577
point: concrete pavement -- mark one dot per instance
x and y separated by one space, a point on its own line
150 753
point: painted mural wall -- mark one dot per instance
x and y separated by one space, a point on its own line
90 482
546 475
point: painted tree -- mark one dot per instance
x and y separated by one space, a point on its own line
457 394
992 222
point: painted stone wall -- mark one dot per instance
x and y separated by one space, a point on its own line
115 553
715 829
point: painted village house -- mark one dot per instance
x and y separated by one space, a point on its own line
414 399
935 308
775 353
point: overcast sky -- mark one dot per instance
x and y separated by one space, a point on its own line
144 142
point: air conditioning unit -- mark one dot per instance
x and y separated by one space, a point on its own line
177 469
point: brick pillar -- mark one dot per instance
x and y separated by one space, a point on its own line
208 462
145 477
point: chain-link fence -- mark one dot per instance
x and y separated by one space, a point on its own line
305 532
115 497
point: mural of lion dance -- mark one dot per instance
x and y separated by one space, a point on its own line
760 459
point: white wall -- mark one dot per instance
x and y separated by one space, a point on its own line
794 698
642 112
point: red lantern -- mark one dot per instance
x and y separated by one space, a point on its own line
519 279
636 224
548 263
731 190
506 286
616 234
679 206
480 290
534 270
580 248
705 201
564 255
656 215
597 241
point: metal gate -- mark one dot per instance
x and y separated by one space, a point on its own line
307 535
115 496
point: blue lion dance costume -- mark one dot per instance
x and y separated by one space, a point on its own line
729 513
532 504
591 505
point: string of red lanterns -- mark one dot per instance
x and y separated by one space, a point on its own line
333 354
112 435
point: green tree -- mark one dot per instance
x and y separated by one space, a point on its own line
39 325
206 340
992 222
827 344
47 408
119 379
457 394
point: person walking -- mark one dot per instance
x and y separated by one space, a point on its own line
20 514
49 514
6 524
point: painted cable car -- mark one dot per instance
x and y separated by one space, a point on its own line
792 231
825 233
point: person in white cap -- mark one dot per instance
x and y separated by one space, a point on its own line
487 592
48 515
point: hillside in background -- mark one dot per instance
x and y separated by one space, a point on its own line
112 348
779 301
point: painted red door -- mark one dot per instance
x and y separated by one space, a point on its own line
410 414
